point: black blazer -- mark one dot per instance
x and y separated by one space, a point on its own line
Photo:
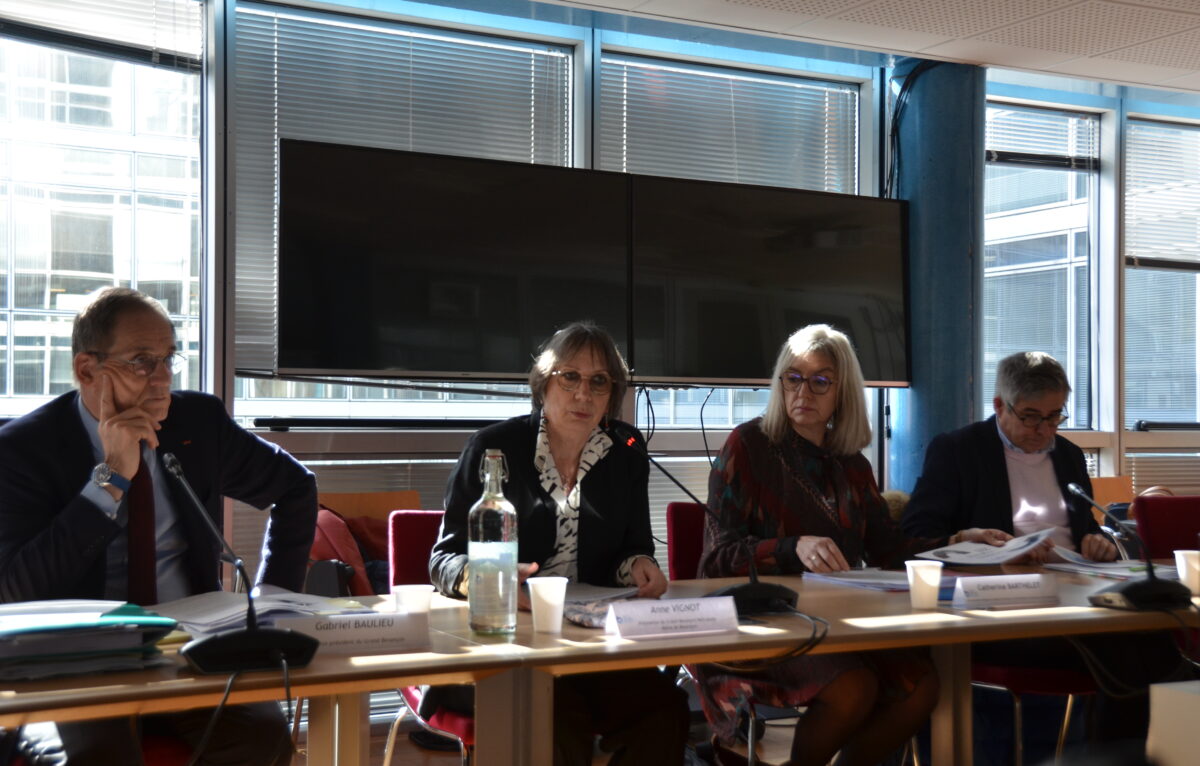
614 518
53 541
964 483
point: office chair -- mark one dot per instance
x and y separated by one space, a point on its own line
411 535
1167 523
1019 680
685 540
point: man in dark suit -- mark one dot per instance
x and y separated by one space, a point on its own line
87 511
1011 471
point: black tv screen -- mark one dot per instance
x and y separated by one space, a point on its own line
723 273
403 264
409 265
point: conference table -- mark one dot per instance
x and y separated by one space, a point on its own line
514 675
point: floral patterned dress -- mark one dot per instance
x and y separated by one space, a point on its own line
767 496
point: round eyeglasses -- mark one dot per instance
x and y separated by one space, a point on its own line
817 384
599 384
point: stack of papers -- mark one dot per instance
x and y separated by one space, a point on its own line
216 611
1118 570
40 639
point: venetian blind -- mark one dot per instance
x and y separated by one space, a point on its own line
1162 256
350 80
163 29
672 119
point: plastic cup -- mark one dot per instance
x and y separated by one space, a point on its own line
924 580
413 599
546 596
1188 564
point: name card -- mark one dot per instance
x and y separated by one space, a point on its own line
1005 592
646 618
366 633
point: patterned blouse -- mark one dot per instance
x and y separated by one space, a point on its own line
563 562
769 495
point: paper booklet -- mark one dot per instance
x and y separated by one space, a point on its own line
982 553
1119 569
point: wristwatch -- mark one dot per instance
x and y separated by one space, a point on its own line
102 476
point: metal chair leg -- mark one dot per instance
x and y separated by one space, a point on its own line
1062 730
1018 732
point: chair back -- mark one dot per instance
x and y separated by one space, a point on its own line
685 539
1107 490
411 535
1167 524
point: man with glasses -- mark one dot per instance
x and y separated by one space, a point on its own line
1011 471
87 510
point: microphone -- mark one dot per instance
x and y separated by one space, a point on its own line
750 598
237 649
1148 592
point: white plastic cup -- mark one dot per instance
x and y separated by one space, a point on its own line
413 599
924 580
1188 564
546 596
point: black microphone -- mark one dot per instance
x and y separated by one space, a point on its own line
1148 592
749 598
249 648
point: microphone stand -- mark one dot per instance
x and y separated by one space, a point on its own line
1148 592
750 598
237 649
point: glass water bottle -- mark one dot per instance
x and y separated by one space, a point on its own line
492 553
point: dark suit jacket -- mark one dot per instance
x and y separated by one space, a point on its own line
53 541
614 518
964 483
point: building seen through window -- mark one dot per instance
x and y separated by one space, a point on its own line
99 186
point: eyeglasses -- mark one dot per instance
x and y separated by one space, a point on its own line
1033 420
817 384
599 384
145 366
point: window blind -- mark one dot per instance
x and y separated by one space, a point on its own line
672 119
1041 131
161 28
343 79
1162 192
1162 255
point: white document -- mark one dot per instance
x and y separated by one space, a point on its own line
982 553
581 592
220 610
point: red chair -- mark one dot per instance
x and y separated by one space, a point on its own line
1018 680
411 535
1167 523
685 539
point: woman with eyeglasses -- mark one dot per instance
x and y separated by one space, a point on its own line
793 490
578 479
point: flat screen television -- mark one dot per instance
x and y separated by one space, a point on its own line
408 265
402 264
723 273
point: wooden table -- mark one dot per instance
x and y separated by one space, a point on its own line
513 706
514 675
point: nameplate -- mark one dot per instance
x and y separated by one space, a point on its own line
1005 592
648 618
365 633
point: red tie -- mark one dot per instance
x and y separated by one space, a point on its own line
143 572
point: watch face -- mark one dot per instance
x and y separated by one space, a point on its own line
101 474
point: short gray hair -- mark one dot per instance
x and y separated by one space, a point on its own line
1028 375
566 343
93 328
851 429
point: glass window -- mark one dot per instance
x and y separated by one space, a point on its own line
71 218
1040 212
1162 266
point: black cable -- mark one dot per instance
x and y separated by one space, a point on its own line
898 109
703 434
820 629
287 691
212 722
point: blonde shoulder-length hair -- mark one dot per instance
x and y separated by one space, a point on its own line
850 430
